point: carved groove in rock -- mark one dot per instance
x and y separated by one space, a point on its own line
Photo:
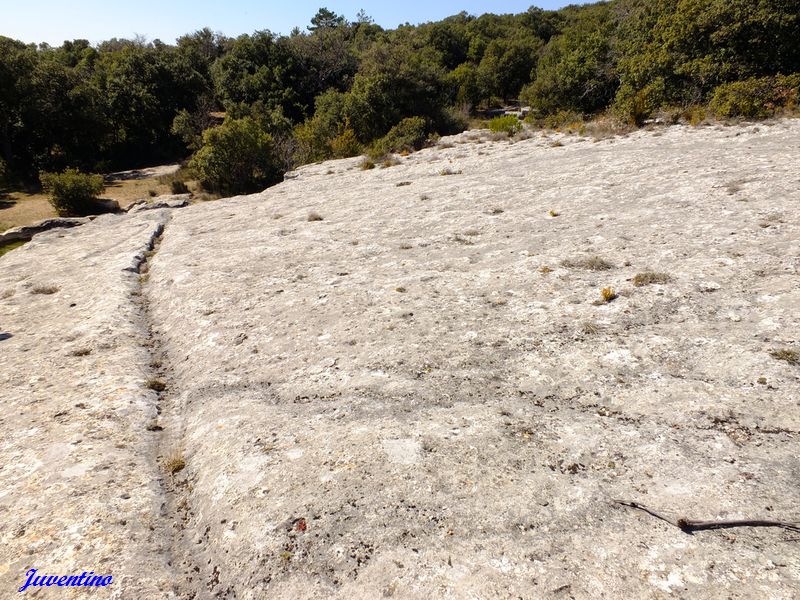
169 426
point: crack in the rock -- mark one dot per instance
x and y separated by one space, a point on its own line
166 428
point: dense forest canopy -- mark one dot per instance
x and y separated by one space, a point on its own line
340 85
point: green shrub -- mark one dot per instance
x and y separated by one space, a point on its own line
3 173
72 192
238 157
507 124
408 135
345 144
636 106
755 98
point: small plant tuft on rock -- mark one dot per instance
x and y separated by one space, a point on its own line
590 328
174 463
449 171
790 356
157 385
608 295
650 278
593 263
45 290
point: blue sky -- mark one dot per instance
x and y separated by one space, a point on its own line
53 21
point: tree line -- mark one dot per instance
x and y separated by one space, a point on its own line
341 86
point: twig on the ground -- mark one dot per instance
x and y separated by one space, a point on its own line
690 525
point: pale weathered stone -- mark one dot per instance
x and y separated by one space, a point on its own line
414 397
169 201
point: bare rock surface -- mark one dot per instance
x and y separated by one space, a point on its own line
80 484
403 382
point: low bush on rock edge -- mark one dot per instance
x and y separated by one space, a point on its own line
72 193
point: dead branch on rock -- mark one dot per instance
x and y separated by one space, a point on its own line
690 525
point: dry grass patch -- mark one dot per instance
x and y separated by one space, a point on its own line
157 385
314 216
608 294
45 290
592 263
650 278
785 354
601 129
448 171
174 463
590 328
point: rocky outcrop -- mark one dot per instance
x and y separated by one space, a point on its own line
420 391
171 201
26 232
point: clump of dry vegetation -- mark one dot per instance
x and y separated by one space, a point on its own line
314 216
607 295
605 127
592 263
786 354
449 171
366 165
157 385
45 290
650 278
174 463
590 328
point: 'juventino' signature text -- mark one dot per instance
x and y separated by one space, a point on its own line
83 580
